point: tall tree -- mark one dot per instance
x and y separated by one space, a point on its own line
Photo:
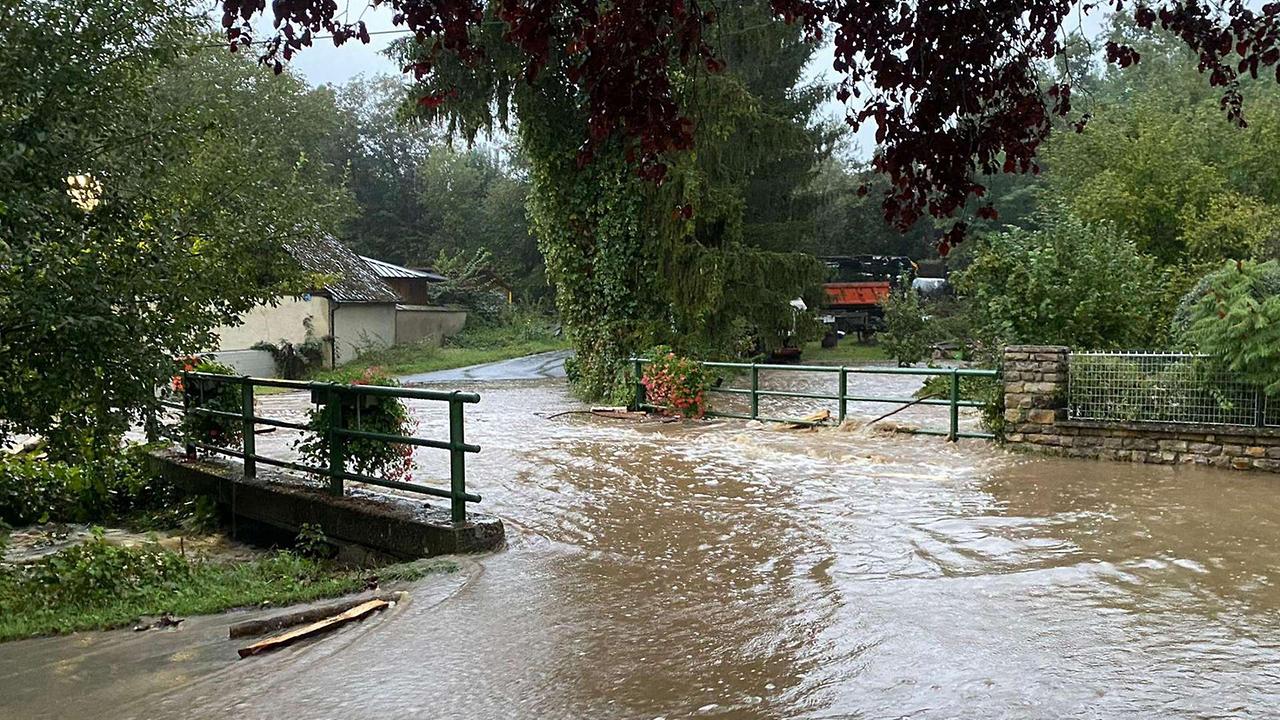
634 264
417 196
382 150
142 204
786 137
1162 164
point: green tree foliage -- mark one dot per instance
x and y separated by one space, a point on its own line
850 222
1069 283
906 337
177 226
382 151
418 197
469 283
1235 317
1162 164
634 264
775 144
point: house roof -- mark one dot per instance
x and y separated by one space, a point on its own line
352 279
389 270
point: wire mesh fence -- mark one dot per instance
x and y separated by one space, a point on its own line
1164 388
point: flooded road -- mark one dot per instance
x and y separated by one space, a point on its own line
724 570
530 367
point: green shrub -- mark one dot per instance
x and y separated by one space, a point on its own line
213 395
295 361
386 415
1235 317
907 334
34 490
312 542
677 384
513 326
97 571
1068 283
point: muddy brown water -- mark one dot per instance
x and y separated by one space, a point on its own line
723 570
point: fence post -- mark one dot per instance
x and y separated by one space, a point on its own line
844 390
755 388
246 427
639 370
337 442
1259 408
457 463
190 447
954 433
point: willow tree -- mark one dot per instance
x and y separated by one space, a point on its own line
636 262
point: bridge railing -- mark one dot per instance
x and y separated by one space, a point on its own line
841 395
339 429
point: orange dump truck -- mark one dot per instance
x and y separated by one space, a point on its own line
856 287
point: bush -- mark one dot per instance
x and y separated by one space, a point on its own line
514 326
34 490
387 415
677 384
97 571
295 361
1069 283
470 283
907 335
212 395
1235 317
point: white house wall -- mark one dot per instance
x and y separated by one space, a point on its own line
360 326
270 324
421 323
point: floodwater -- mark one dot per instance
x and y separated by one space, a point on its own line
724 570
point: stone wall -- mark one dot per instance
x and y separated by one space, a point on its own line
1035 398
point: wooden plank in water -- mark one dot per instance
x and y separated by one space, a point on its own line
278 641
262 626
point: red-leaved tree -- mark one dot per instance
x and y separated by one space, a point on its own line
956 89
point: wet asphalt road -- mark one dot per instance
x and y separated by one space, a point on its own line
531 367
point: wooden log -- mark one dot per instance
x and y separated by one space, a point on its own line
278 641
619 413
809 421
262 626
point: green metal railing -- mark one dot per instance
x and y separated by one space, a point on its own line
841 396
339 430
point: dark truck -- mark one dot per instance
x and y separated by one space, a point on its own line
855 288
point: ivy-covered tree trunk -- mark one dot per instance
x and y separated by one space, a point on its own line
599 250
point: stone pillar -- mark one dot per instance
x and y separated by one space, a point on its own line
1035 390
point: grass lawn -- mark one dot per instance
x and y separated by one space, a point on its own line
474 346
848 352
99 586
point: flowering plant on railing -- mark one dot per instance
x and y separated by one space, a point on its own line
369 413
677 384
209 394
